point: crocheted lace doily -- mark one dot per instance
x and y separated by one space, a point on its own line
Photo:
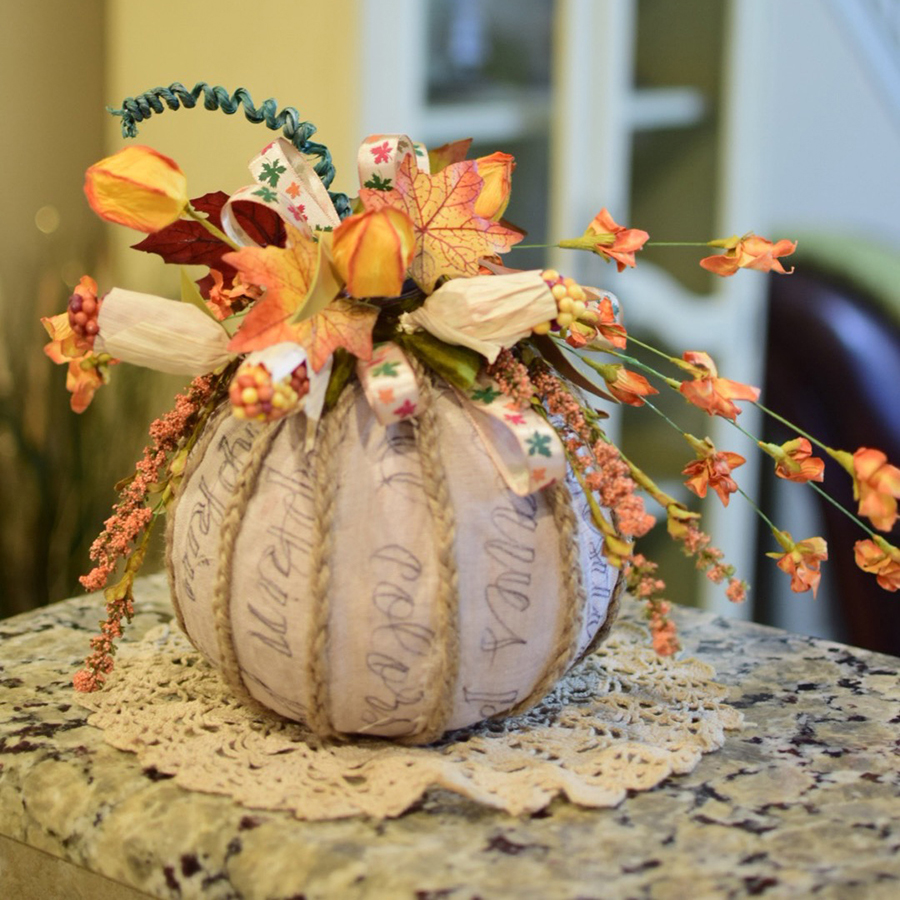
623 720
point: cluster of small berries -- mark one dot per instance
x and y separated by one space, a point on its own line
254 395
571 301
83 311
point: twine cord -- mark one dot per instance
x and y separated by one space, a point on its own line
176 95
331 434
442 680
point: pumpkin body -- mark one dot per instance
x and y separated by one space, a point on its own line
386 582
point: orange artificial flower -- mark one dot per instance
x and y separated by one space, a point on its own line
137 187
87 370
801 560
496 170
748 252
794 461
876 484
627 387
881 559
606 324
712 469
709 392
224 302
372 251
609 240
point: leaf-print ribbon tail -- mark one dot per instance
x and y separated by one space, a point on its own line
525 448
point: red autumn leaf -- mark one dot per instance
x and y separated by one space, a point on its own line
187 243
450 237
262 224
206 284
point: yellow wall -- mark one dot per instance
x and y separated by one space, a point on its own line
300 52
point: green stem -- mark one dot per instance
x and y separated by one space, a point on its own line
757 510
633 340
215 232
792 426
843 509
676 244
631 360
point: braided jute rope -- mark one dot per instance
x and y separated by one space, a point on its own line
331 433
443 676
228 535
176 95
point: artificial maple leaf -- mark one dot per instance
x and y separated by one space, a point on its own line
450 237
287 273
443 156
343 323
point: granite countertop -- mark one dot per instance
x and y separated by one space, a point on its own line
805 801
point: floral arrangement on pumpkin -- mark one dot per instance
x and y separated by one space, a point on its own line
307 290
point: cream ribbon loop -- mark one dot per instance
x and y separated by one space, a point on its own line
390 385
380 157
287 184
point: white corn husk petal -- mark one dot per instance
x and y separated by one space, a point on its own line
161 334
486 313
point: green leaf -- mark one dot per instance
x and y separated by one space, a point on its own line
190 293
457 365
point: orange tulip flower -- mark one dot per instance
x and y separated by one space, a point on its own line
880 559
137 187
496 170
373 250
801 560
712 469
711 393
748 252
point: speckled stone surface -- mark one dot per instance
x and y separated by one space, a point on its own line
804 802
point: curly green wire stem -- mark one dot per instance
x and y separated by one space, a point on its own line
176 95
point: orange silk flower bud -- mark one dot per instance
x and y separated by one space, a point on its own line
373 250
496 170
137 187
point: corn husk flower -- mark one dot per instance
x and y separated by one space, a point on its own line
137 187
161 334
486 313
